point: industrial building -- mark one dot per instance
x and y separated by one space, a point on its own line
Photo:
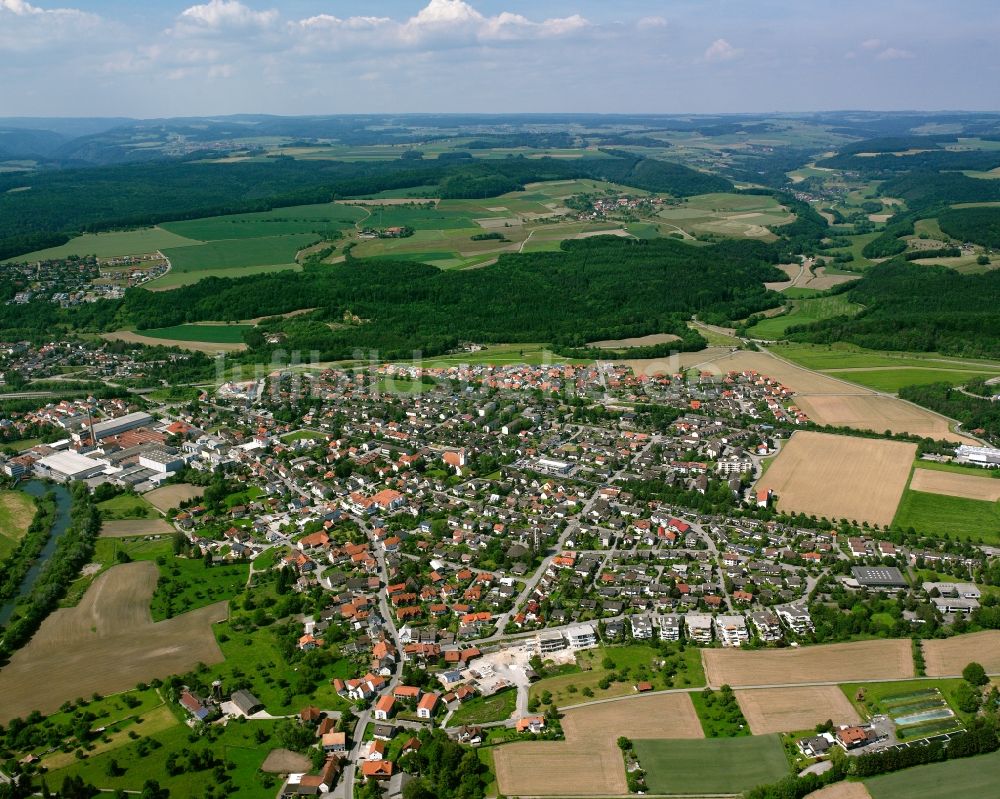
69 465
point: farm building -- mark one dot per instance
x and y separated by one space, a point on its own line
246 702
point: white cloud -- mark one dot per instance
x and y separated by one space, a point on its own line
651 22
217 14
871 44
894 54
721 50
24 27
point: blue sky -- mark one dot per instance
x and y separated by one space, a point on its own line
166 58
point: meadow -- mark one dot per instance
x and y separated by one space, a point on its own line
958 517
223 256
215 334
972 777
738 215
111 245
298 219
712 765
803 312
484 709
17 509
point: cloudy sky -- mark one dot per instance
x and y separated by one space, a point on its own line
166 58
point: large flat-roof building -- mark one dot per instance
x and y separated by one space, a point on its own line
113 427
883 577
69 465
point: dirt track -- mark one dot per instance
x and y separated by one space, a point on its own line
107 643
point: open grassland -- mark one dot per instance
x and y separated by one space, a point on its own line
966 486
771 710
630 664
861 660
107 643
17 509
228 256
127 506
840 477
737 215
588 762
937 513
975 778
237 744
111 245
891 379
830 358
150 341
131 527
170 496
501 354
720 765
300 219
803 312
484 709
948 656
212 334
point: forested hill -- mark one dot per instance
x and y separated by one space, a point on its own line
45 208
595 289
918 308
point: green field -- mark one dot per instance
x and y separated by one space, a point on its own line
720 765
219 256
803 312
969 777
17 509
215 334
719 719
894 699
629 664
237 743
127 506
958 517
825 357
738 215
891 380
481 710
110 245
299 219
533 354
957 468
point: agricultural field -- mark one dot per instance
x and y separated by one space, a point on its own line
722 765
111 245
125 528
840 477
17 509
589 762
170 496
213 334
878 413
735 215
968 777
890 380
948 656
298 219
889 659
231 258
917 708
802 312
185 344
770 710
956 516
967 486
71 651
532 354
841 790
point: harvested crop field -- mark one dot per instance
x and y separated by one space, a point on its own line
868 411
167 497
588 762
948 656
841 790
840 477
285 761
130 527
854 662
638 341
107 643
788 709
966 486
196 346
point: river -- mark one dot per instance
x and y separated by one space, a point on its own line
37 488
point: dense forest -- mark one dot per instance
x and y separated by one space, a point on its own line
924 190
60 203
917 308
594 289
974 413
978 225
